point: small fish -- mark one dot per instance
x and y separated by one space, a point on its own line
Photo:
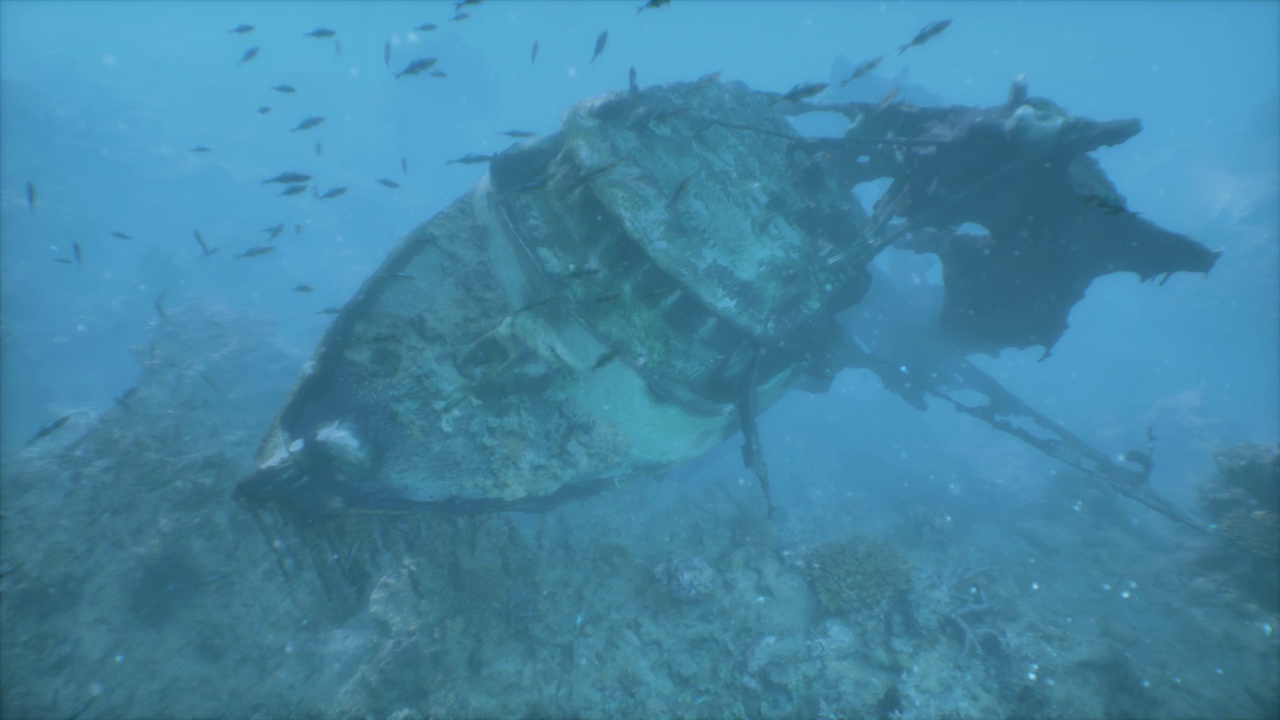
533 54
275 231
264 110
283 88
862 70
426 27
417 66
386 54
684 185
249 54
31 195
64 261
75 249
288 178
297 229
121 235
404 166
319 147
158 304
397 276
535 184
470 159
332 193
320 33
308 123
49 427
885 100
330 311
593 172
124 397
257 250
303 288
463 3
459 17
632 87
538 304
651 5
241 29
203 245
293 190
389 183
926 32
519 134
199 149
438 74
800 92
601 41
668 114
707 79
1108 205
604 359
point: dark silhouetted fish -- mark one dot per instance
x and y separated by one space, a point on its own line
417 66
604 359
257 250
31 195
75 249
862 70
64 261
470 159
319 147
288 177
389 183
320 33
332 193
404 166
307 124
386 55
464 3
158 304
284 88
303 288
241 29
249 54
437 74
293 190
203 245
264 110
600 43
120 235
459 17
800 92
519 134
1108 205
426 27
651 5
49 427
274 230
199 149
928 31
533 54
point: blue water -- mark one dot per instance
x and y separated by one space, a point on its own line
101 102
